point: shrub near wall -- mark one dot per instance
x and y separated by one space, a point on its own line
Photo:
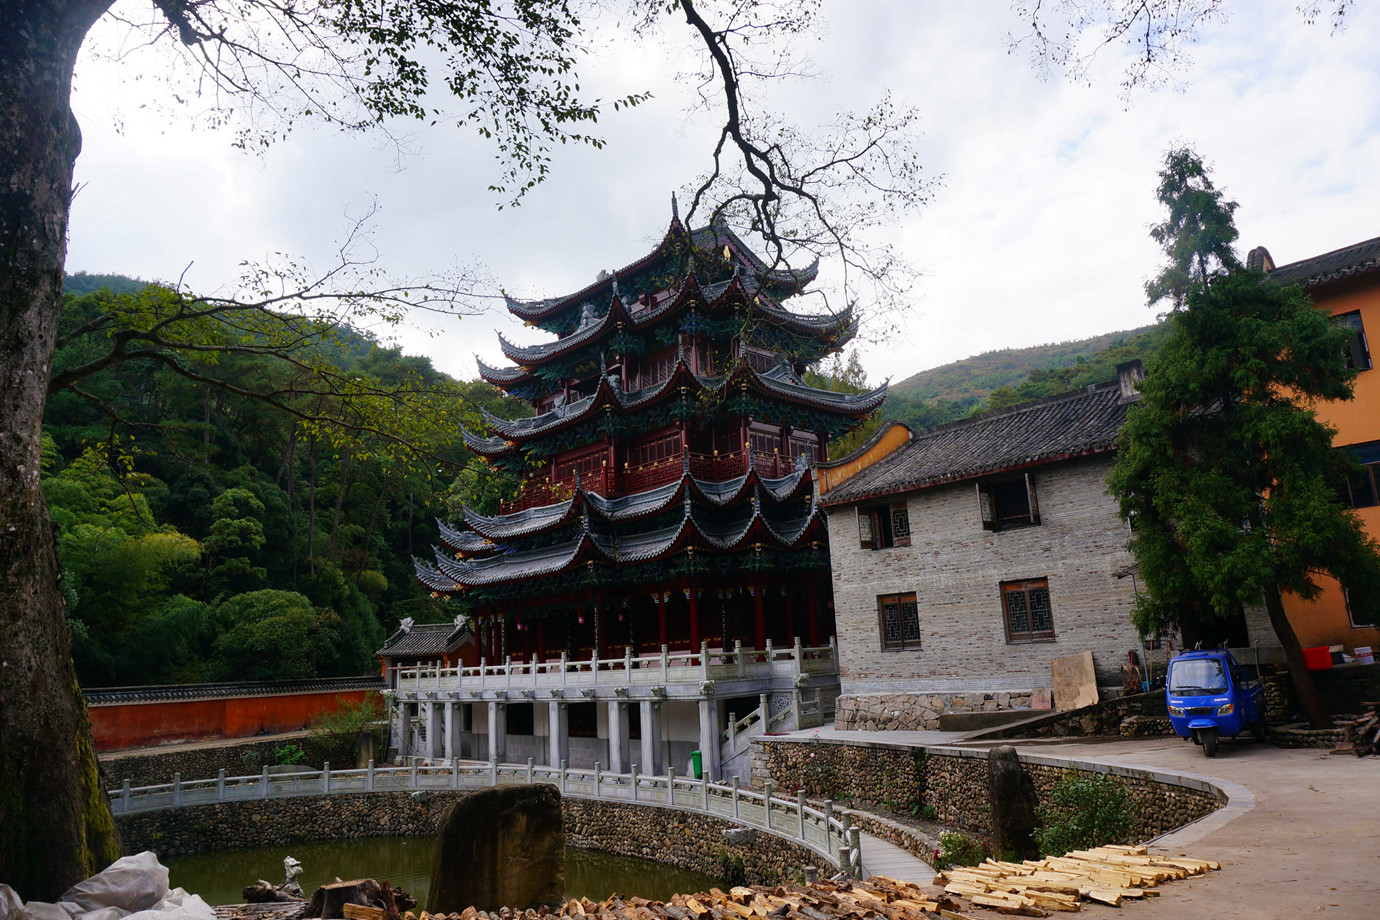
678 838
955 785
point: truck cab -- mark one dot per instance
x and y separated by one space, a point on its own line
1209 696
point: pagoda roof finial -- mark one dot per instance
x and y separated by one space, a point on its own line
675 207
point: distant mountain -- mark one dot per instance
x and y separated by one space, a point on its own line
1010 375
83 283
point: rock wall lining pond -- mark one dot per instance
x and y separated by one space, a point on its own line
679 838
954 783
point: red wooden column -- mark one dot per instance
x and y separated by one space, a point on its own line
662 628
759 616
813 611
694 598
791 634
541 639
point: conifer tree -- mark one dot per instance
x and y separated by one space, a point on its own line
1229 480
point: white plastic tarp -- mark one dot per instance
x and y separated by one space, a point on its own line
131 888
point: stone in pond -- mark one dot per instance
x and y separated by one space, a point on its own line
500 847
1011 792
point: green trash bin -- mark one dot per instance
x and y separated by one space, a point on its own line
696 764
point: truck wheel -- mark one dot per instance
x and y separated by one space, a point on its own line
1210 742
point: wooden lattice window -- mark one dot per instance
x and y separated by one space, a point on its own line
657 369
803 446
898 618
883 526
662 448
1025 605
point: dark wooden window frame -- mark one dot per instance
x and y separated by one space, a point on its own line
1357 350
884 526
1027 613
990 508
906 634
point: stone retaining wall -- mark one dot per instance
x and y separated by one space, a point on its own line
953 784
1136 715
904 712
678 838
151 766
893 778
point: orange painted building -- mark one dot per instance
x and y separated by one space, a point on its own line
123 718
1345 283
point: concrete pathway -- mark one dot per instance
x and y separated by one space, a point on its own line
1299 836
882 858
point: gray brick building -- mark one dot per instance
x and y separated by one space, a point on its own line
970 556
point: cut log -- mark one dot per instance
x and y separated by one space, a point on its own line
329 901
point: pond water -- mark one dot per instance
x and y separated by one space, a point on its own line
406 862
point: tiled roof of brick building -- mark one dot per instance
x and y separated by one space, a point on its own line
1356 259
1058 427
424 639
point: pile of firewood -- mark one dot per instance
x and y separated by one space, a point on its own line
1105 875
1360 736
1034 888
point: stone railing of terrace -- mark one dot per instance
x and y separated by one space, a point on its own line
667 675
821 830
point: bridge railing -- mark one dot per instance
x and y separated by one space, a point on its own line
820 830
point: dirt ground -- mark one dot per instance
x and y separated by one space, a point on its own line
1301 839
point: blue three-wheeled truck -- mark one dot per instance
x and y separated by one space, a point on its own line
1209 697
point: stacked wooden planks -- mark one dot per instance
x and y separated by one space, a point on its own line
1035 888
1105 875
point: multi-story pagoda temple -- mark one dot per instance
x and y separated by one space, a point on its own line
667 505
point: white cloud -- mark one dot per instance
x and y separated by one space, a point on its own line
1038 233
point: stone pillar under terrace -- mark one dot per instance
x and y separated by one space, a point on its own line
652 754
618 737
498 732
558 724
709 738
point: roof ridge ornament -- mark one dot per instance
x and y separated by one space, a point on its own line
675 208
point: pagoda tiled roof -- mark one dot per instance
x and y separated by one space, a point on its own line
1356 259
784 279
463 541
1060 427
423 640
780 382
485 530
736 528
486 446
595 325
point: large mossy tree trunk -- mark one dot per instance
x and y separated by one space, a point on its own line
55 822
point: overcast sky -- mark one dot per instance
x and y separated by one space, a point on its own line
1037 232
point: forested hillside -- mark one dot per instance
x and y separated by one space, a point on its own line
1001 378
234 503
238 496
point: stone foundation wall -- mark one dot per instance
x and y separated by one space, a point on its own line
953 785
678 838
890 778
150 767
918 711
